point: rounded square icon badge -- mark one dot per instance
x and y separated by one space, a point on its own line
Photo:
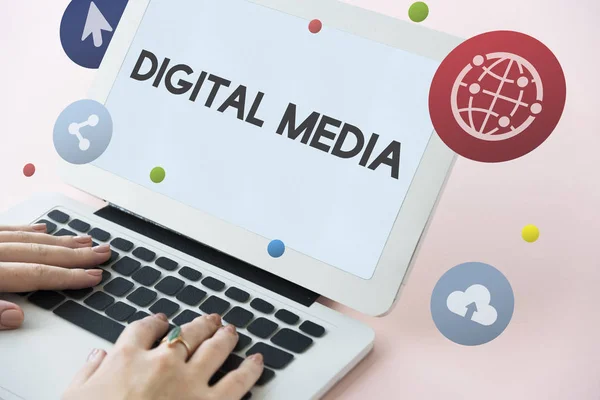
87 27
497 96
82 132
472 304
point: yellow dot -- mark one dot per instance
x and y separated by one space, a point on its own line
530 233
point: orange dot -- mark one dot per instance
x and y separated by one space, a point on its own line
29 170
315 26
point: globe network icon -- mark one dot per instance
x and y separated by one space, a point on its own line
497 96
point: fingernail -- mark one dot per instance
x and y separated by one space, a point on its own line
216 318
11 318
161 316
103 248
94 272
83 239
93 354
230 328
257 358
39 227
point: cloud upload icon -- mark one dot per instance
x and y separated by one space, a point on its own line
473 304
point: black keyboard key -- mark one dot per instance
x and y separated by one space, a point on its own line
78 294
292 340
165 306
65 232
99 301
273 357
213 284
243 341
265 377
89 320
191 295
262 306
99 234
120 311
126 266
262 327
137 316
23 294
190 273
79 225
58 216
238 317
287 317
122 244
169 286
113 257
46 299
166 263
312 329
237 294
142 296
146 276
144 254
50 226
247 396
214 305
185 317
216 378
118 286
232 362
105 276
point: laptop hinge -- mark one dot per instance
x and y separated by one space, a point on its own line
208 254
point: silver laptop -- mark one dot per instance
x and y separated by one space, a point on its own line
269 131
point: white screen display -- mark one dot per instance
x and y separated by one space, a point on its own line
312 139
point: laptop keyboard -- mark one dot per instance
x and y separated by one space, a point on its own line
138 281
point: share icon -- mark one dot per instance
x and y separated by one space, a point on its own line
89 122
75 128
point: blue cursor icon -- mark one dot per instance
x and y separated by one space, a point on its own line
87 27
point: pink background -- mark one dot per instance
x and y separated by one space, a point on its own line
551 349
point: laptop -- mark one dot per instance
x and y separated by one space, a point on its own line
302 123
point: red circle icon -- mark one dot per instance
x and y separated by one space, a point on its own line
29 170
315 26
497 96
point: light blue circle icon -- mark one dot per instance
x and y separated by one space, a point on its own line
276 248
472 304
83 132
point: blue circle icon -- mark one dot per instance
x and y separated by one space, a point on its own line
276 248
82 132
472 304
87 27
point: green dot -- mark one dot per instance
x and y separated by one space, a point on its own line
418 11
157 175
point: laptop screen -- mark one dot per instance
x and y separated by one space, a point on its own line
305 135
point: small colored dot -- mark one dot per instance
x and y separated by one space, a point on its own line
315 26
418 11
157 175
29 170
530 233
276 248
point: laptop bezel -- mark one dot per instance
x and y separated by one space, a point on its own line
375 296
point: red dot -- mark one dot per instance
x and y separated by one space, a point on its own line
29 170
315 26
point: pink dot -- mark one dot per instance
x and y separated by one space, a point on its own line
315 26
29 170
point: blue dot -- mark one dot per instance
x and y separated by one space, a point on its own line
276 248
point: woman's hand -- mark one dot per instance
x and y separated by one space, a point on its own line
32 260
135 371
